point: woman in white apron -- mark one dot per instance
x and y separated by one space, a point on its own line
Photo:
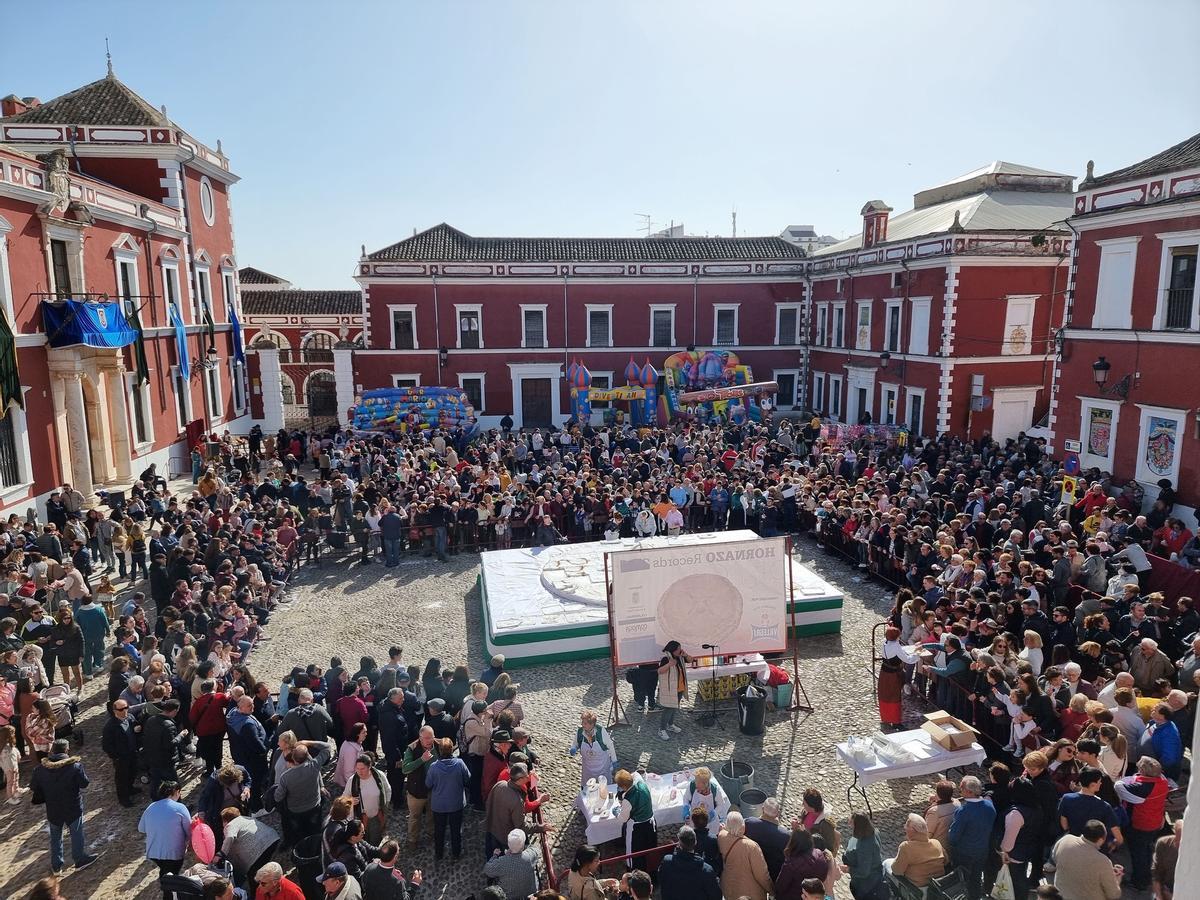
597 755
706 793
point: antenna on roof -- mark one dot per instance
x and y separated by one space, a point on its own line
646 225
108 57
735 222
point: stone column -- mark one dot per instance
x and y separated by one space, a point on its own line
272 388
122 440
98 414
77 437
343 373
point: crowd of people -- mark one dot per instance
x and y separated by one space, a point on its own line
1012 607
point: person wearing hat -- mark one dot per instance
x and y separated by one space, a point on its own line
496 760
439 720
891 677
339 884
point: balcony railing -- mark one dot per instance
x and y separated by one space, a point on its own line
1180 303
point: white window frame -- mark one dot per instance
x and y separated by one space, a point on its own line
838 335
237 386
207 210
819 398
202 294
537 308
1143 474
886 388
143 391
1088 459
822 336
20 425
6 294
123 254
918 338
178 382
795 373
657 308
168 264
73 238
890 305
404 376
735 308
792 339
589 308
1124 318
909 393
862 341
609 376
459 310
1171 240
228 294
482 376
213 398
1013 303
834 402
394 308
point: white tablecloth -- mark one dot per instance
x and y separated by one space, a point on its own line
930 760
745 665
666 791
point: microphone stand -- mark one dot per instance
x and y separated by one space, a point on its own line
709 719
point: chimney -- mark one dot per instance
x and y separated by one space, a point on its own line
12 105
875 219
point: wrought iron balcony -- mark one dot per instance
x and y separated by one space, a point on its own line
1180 304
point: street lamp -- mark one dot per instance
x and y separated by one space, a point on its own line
1100 371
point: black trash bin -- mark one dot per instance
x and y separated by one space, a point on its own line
309 863
752 709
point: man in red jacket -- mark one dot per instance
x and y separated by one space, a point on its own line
207 717
1146 793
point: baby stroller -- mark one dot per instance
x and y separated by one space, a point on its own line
187 887
66 710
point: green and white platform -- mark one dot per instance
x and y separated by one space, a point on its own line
547 604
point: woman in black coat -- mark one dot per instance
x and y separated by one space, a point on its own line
67 641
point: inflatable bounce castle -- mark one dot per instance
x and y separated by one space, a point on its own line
701 371
413 408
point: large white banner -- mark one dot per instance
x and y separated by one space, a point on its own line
733 595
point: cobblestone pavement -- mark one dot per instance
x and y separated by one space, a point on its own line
432 609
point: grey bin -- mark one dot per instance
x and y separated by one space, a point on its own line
735 777
751 802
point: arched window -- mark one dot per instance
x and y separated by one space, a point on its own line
270 339
317 347
288 390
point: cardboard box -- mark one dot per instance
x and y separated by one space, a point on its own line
948 732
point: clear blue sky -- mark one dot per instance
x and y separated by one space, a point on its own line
355 122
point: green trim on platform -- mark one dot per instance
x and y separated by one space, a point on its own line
535 636
814 605
834 627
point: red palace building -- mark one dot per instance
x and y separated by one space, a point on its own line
503 318
305 327
942 318
105 199
1125 392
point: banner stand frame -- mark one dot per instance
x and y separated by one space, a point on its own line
793 639
617 717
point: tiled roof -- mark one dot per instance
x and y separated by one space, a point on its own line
445 244
300 303
1184 155
251 275
104 102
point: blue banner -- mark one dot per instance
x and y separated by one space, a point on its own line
238 352
181 348
71 322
